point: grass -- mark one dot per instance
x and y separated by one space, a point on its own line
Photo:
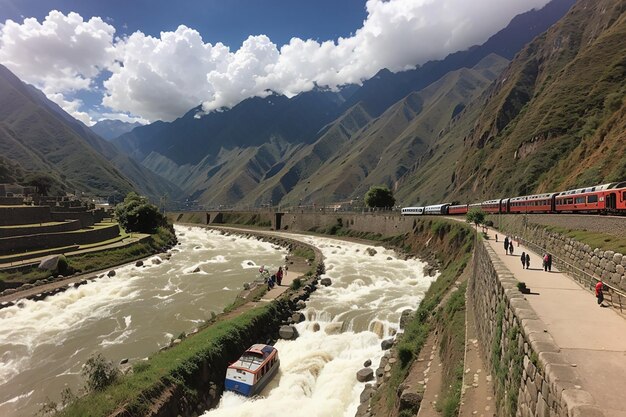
451 322
175 366
593 239
97 260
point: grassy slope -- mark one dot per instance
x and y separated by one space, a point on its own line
561 99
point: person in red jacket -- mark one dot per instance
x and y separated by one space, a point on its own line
599 293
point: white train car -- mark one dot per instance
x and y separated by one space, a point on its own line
412 211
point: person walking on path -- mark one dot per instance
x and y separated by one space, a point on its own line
549 262
506 245
511 246
279 275
496 237
527 261
523 258
599 293
545 262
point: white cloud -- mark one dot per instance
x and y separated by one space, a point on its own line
72 107
162 78
122 117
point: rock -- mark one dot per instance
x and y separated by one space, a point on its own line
410 401
156 261
297 317
367 363
371 251
111 273
123 361
386 344
326 282
333 328
367 393
300 305
365 374
389 258
139 263
246 286
288 332
197 269
405 317
316 327
176 341
250 263
378 328
49 263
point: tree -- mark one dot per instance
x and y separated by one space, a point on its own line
99 373
41 181
476 216
379 196
136 214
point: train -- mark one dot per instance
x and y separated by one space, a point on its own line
600 199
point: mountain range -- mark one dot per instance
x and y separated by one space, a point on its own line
538 107
110 129
324 145
36 135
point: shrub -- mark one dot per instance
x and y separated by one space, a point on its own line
297 283
99 372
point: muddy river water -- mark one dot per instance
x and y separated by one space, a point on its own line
44 344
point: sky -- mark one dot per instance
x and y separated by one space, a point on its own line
148 60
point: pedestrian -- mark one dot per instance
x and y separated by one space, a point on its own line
527 261
549 262
523 258
511 247
506 245
545 262
496 237
279 275
599 292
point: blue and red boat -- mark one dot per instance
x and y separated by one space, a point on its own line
253 370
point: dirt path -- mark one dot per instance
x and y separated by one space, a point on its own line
477 395
426 374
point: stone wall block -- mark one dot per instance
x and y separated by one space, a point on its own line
573 398
586 411
617 258
609 254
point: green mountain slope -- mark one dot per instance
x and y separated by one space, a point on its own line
553 120
39 136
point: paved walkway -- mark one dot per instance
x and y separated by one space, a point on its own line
590 337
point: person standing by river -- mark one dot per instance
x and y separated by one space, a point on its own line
506 245
279 275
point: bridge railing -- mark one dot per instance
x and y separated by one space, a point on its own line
615 297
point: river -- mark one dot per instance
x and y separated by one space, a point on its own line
44 344
317 376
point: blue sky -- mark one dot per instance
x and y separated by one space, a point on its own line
140 60
226 21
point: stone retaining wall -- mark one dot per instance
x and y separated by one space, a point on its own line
18 215
531 377
33 230
608 265
17 244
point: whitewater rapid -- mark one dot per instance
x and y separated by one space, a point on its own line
44 344
362 307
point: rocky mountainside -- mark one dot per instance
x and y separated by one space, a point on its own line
323 145
554 119
110 129
39 136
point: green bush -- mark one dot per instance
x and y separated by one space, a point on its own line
136 214
99 373
297 283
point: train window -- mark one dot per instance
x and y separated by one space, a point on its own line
624 196
570 201
592 199
580 200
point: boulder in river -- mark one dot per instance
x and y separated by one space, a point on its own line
111 273
386 344
365 374
371 251
196 269
367 363
326 282
139 263
288 332
316 327
297 317
333 328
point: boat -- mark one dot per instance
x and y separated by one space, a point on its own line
249 374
